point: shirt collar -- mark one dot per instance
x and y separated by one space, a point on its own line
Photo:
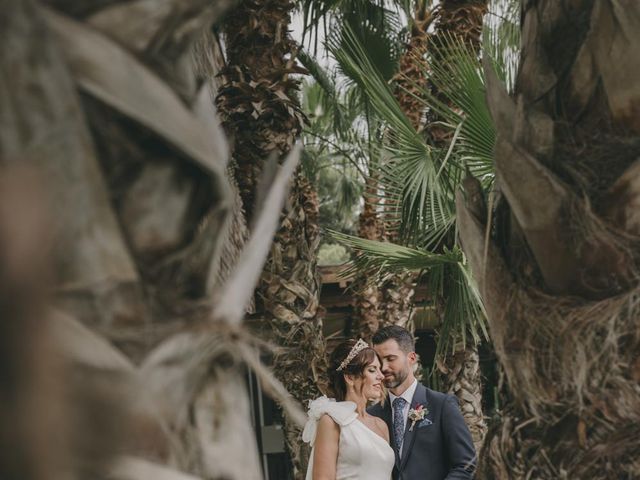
407 394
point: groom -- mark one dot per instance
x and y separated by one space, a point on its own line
426 428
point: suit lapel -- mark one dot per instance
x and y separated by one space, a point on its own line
419 398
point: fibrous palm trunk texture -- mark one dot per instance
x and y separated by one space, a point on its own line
257 101
559 275
410 79
459 367
106 104
460 375
458 20
261 113
366 292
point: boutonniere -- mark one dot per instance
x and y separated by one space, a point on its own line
416 414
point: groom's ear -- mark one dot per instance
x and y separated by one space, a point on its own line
413 357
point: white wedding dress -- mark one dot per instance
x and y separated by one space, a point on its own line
362 453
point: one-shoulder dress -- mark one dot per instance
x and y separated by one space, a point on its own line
362 453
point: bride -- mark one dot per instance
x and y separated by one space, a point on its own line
347 442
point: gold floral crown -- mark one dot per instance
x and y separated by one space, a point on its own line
355 350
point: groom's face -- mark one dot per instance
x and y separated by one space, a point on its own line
396 364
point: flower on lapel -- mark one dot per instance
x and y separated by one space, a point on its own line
416 414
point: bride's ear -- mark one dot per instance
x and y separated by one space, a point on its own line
349 380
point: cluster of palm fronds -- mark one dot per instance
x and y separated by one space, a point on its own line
418 179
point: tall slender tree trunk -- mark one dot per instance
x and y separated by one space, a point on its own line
260 111
367 294
560 280
459 368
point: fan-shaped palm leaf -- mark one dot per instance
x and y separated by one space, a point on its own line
449 278
415 178
383 257
459 81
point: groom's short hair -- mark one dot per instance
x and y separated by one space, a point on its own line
397 333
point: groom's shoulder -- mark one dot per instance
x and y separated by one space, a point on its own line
437 397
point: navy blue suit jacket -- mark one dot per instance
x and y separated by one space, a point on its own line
437 448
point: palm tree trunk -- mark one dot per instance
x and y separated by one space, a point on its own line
260 111
410 79
559 282
461 20
461 376
290 288
459 368
135 185
367 294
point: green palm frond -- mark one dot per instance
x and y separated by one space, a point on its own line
459 81
417 181
315 12
348 193
380 258
416 178
461 312
321 97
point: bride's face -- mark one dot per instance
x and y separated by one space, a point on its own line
371 381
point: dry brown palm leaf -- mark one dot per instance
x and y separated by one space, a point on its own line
132 468
239 290
178 367
47 130
83 346
141 23
115 77
272 386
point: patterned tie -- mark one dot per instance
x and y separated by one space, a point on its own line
398 422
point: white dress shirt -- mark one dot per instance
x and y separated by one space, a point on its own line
408 396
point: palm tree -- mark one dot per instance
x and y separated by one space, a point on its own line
459 368
412 83
374 303
110 110
260 111
556 256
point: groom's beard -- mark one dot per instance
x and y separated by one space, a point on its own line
396 379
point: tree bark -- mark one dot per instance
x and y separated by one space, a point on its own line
260 111
137 195
459 20
558 280
367 296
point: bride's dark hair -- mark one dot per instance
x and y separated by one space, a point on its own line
355 367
